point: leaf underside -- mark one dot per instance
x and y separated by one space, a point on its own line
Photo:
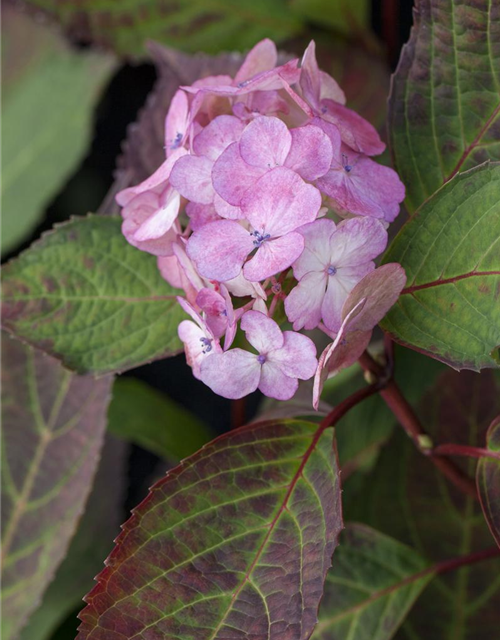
444 107
450 307
53 428
233 543
86 296
488 480
372 585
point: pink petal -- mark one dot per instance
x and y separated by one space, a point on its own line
241 287
157 179
271 80
136 213
297 356
280 202
262 332
211 302
273 256
265 142
201 214
357 241
265 103
219 249
275 384
331 309
324 361
303 303
262 57
232 176
187 266
233 374
226 210
192 177
162 220
176 121
173 273
310 81
356 132
217 136
198 345
333 134
381 289
310 153
317 252
330 88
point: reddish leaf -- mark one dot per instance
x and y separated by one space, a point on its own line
488 481
233 543
53 427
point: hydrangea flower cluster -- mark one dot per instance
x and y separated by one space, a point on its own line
269 200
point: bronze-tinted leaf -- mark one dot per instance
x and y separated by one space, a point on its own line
53 428
488 480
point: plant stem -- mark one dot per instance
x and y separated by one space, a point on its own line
406 416
343 407
464 450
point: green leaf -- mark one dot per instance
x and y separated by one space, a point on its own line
488 481
190 25
93 540
450 249
235 540
407 497
49 94
337 15
444 107
140 414
371 587
83 294
53 428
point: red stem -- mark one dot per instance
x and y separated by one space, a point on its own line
406 416
343 407
464 450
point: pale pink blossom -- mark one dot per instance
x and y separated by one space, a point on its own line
280 203
334 260
316 85
199 341
267 143
219 315
363 309
356 184
179 271
281 359
145 211
176 122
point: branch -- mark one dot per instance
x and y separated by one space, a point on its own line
406 416
343 407
464 450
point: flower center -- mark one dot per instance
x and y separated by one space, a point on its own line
261 359
260 237
207 345
331 271
176 141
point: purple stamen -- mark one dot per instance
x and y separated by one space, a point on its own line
331 271
207 345
259 237
261 359
176 141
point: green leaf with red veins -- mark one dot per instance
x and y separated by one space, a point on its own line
407 497
488 480
371 587
235 542
84 295
53 429
444 107
450 250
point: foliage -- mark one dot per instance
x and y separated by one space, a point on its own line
54 425
214 181
42 145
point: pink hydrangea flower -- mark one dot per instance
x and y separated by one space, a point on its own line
281 359
219 314
358 185
335 259
279 203
267 143
177 122
199 341
363 309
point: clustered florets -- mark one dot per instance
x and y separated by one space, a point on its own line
242 210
